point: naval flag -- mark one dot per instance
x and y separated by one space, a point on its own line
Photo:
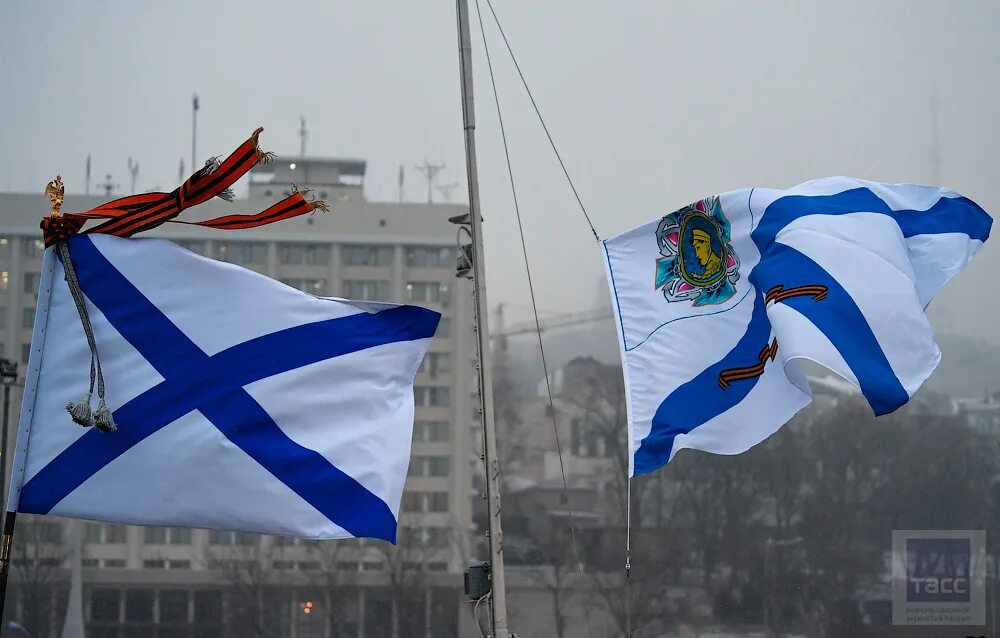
240 403
717 302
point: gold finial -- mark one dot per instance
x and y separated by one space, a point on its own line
54 190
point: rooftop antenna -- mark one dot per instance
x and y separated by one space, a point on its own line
430 172
133 168
180 172
445 190
303 134
108 186
87 188
402 177
195 105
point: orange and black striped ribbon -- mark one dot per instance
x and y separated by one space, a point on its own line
737 374
134 214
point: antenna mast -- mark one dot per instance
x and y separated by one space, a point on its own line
194 129
430 172
87 189
133 168
498 593
303 134
108 186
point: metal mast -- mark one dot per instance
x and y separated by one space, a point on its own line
498 598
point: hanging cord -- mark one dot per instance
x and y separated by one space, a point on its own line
540 118
475 613
534 309
628 557
80 412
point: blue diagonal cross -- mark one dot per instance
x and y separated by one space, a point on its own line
214 385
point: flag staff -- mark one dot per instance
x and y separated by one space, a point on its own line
498 597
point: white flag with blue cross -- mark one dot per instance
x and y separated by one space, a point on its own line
717 303
240 403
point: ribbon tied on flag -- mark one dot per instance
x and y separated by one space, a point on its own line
134 214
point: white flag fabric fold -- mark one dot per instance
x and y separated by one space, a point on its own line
717 302
241 403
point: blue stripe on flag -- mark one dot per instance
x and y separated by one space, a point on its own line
213 385
839 318
701 399
947 215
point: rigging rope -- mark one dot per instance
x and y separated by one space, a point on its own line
628 557
538 112
534 305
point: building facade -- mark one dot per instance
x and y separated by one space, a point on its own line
180 582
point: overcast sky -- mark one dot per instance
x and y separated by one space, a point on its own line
652 107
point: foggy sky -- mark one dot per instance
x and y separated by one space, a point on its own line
652 106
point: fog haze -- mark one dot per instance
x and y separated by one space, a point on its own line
652 107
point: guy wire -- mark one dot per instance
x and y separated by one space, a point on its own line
545 127
534 307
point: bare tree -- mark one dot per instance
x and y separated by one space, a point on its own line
252 608
38 557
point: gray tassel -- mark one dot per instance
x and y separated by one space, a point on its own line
212 164
227 195
80 412
103 420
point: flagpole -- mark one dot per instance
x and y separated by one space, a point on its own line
498 597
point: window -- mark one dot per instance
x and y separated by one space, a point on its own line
243 253
425 501
366 289
435 363
429 466
154 564
28 317
179 536
98 533
4 280
139 605
307 254
4 246
367 255
217 537
25 351
429 292
316 286
156 535
3 318
430 431
45 532
105 604
115 563
178 564
430 257
114 533
31 282
432 395
174 605
444 327
167 535
208 605
33 248
371 566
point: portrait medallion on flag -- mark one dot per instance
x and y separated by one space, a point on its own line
698 261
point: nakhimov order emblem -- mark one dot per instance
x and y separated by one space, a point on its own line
698 261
